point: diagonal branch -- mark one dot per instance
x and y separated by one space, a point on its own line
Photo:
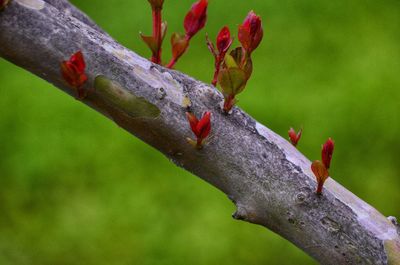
269 181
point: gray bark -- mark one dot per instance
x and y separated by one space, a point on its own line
268 179
67 8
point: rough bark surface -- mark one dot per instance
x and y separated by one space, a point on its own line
269 180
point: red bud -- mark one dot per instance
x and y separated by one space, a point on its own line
295 137
327 151
201 128
321 173
251 32
193 121
204 126
194 21
196 18
73 72
224 41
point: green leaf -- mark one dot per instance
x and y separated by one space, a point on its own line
123 99
230 61
237 55
245 63
232 80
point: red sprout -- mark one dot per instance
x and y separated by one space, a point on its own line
295 137
201 128
194 21
327 151
224 42
250 32
73 72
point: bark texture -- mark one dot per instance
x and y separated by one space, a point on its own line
269 180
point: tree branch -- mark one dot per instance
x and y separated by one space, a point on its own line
269 181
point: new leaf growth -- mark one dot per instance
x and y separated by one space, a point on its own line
73 72
320 169
237 66
224 42
326 153
294 137
194 21
321 174
201 128
250 32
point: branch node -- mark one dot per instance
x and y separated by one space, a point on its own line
393 220
240 214
232 199
161 93
331 225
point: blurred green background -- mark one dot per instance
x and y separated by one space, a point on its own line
76 189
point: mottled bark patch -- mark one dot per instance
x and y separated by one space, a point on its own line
392 248
116 95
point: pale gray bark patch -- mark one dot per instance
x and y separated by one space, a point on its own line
268 179
69 9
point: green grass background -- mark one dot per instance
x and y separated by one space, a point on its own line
76 189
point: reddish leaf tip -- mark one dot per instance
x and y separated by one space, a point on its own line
321 174
251 32
196 18
73 70
224 41
201 128
327 152
295 137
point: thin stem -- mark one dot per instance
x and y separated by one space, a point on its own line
320 187
228 103
215 79
157 35
218 62
172 63
199 144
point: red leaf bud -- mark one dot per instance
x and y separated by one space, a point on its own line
196 18
295 137
201 128
251 32
73 70
224 41
321 174
327 151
